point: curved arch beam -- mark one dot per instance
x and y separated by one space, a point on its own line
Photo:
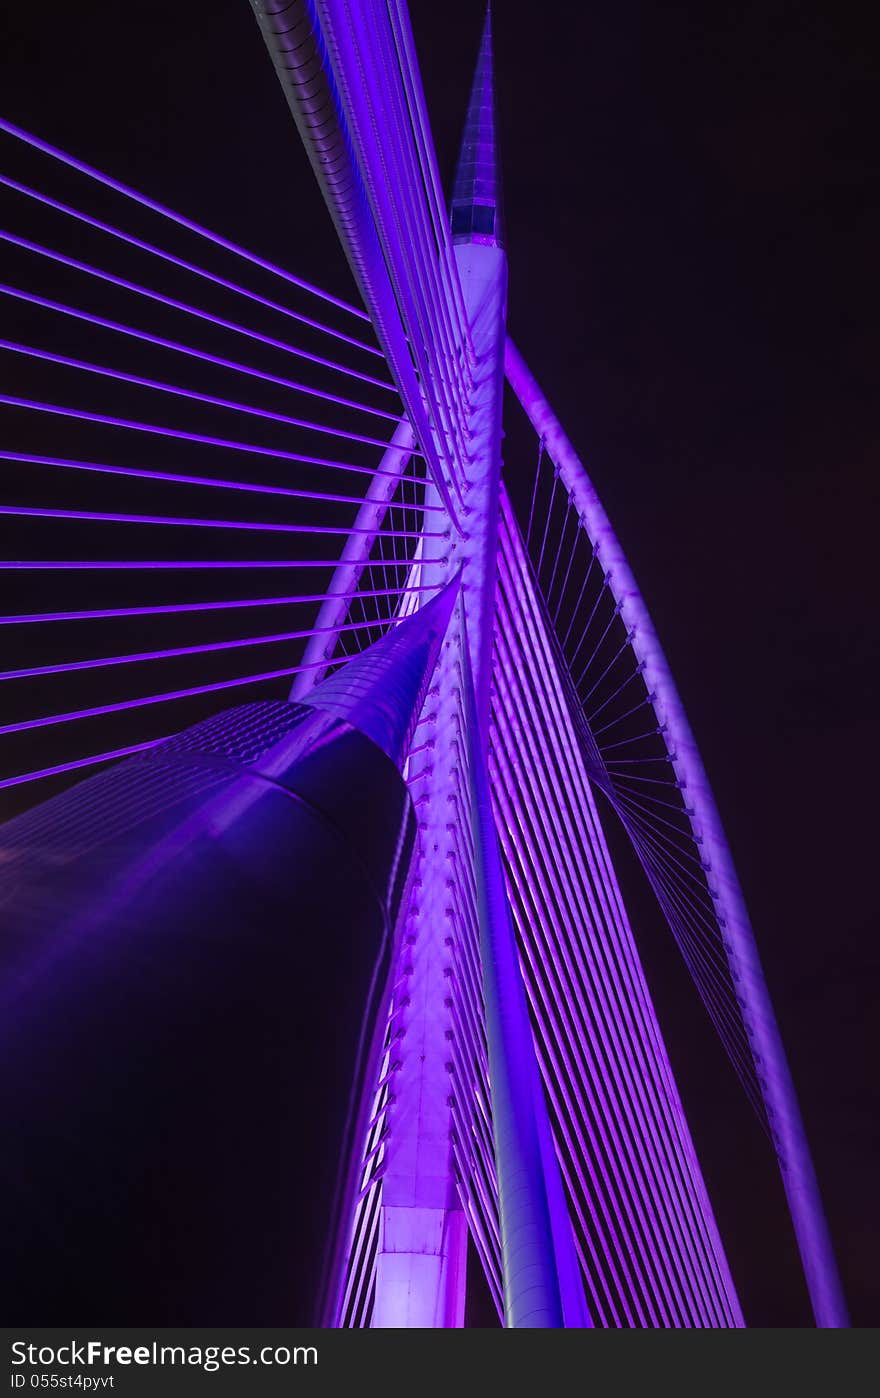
354 557
774 1076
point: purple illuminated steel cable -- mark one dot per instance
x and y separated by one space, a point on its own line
534 493
162 342
625 645
326 105
156 564
603 589
178 608
798 1173
562 533
640 1108
584 584
533 1236
183 478
176 434
732 1035
169 653
646 1219
85 169
561 901
436 312
540 562
353 559
519 632
627 1152
143 701
61 767
101 274
551 1016
578 535
349 36
413 84
705 939
212 400
432 306
552 702
598 1160
604 1189
412 234
106 517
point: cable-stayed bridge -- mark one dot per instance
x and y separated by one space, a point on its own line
439 705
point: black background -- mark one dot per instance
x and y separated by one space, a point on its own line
692 213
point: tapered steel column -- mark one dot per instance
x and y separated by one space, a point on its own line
421 1247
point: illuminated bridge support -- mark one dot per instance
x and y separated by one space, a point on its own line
773 1073
196 963
304 1002
420 1270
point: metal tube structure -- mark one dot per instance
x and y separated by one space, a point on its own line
174 933
319 100
774 1076
536 1240
298 1004
354 556
420 1257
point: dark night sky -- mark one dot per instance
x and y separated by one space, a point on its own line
692 219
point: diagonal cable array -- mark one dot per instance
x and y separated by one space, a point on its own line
172 403
640 751
380 561
627 751
375 163
191 431
648 1245
132 194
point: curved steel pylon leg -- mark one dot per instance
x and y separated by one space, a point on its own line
759 1019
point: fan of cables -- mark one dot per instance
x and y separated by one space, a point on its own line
626 742
195 440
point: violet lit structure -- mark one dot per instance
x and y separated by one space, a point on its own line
376 905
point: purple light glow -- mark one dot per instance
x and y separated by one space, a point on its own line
201 438
180 478
121 565
109 517
517 960
355 551
99 709
557 894
62 767
162 343
80 165
562 898
32 352
759 1019
572 817
29 618
171 301
174 652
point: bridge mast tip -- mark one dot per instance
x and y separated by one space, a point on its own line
477 208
